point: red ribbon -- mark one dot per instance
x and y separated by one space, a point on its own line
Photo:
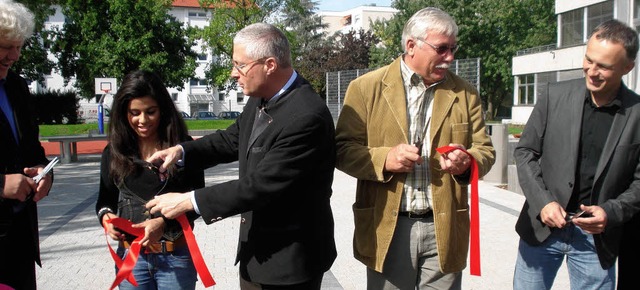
126 267
474 241
198 261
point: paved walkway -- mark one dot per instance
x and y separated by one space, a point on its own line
75 256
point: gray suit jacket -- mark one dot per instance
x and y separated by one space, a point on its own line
547 154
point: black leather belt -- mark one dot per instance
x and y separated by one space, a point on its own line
412 215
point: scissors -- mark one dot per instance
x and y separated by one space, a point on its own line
46 170
41 175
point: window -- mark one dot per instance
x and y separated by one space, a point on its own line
526 85
599 13
197 14
346 20
198 83
572 24
240 98
174 96
202 57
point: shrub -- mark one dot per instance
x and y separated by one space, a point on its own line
56 107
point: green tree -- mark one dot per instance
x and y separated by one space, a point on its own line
110 38
341 52
310 51
303 26
492 30
227 18
33 63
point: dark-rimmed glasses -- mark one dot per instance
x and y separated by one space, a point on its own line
442 49
240 67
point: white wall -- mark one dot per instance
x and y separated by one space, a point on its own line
555 60
568 5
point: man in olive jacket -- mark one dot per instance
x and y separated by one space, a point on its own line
405 190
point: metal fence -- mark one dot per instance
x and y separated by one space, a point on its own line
338 81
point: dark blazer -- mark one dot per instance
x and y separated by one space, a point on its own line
14 157
283 190
547 154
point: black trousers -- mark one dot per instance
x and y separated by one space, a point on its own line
17 264
629 255
313 284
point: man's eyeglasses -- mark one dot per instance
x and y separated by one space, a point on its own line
442 49
240 67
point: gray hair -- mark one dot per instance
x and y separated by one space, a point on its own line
16 21
428 19
263 40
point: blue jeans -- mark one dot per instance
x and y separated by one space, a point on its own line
169 271
537 266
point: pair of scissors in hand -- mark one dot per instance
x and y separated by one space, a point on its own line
46 170
41 175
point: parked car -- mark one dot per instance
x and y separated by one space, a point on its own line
204 116
229 115
184 115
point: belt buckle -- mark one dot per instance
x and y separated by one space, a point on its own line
153 248
163 245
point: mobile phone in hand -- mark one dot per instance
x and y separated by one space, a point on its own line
570 216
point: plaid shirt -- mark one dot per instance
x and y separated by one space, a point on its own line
417 194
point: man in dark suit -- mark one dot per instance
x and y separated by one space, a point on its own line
284 142
580 152
21 157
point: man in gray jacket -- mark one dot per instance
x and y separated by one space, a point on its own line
578 164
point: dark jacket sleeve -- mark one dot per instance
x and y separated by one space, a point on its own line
108 192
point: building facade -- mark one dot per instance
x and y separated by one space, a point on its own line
356 18
195 96
535 68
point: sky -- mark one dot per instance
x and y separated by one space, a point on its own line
341 5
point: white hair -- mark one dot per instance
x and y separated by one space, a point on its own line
264 40
16 21
427 20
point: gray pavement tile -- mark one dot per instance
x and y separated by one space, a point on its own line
75 256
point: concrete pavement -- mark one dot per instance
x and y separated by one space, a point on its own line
75 256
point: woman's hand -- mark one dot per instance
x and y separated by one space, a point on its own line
111 230
153 230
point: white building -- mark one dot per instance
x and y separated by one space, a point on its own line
194 96
533 69
355 18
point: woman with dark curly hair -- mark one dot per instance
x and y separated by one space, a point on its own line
144 120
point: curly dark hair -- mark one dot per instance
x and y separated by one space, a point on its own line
123 140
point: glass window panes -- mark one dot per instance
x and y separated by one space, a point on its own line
572 27
198 82
526 89
197 14
599 13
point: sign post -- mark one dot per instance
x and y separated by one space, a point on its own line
103 87
106 88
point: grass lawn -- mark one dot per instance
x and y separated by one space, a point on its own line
515 129
83 129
